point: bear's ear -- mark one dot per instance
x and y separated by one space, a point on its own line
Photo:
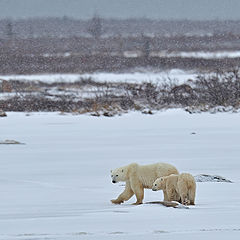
111 171
122 170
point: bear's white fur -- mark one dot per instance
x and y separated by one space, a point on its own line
138 177
177 188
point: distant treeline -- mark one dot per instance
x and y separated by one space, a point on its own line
68 27
65 45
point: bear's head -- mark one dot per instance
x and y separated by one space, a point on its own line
119 175
159 184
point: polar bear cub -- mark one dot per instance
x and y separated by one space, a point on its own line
177 188
138 177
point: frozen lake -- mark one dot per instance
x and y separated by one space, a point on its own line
58 186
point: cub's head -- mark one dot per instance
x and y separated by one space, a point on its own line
159 184
118 175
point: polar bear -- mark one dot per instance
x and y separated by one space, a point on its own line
138 177
177 188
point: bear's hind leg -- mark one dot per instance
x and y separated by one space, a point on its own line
184 196
191 194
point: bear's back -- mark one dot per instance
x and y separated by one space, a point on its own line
166 169
188 179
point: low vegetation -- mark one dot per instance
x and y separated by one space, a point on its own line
219 91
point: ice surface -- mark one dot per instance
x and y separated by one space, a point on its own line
58 185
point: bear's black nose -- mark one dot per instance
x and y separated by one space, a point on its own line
113 181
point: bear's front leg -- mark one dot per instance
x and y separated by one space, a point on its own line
138 190
116 201
172 195
139 195
125 195
165 195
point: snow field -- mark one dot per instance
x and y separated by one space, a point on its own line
58 185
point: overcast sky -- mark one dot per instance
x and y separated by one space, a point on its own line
161 9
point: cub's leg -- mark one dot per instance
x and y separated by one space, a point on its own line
191 194
165 196
184 195
172 195
177 197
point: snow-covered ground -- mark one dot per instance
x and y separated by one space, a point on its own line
134 77
57 185
165 53
199 54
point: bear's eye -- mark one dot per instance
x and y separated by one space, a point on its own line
116 175
155 184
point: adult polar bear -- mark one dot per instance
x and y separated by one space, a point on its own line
138 177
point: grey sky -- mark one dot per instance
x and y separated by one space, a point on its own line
162 9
